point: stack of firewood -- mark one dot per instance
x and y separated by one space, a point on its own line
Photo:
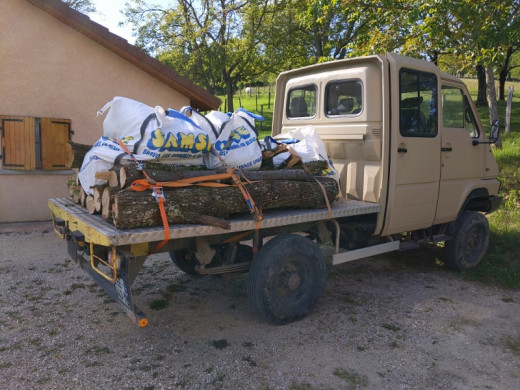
126 208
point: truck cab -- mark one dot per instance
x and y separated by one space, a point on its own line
401 133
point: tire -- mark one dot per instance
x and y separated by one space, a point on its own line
185 261
286 278
470 241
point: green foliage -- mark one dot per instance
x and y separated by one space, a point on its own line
218 44
84 6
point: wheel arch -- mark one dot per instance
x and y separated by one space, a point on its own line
477 200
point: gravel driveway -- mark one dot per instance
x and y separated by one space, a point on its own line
389 322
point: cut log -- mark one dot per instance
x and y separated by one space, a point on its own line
97 192
127 174
75 154
74 193
186 205
82 196
107 199
90 205
109 176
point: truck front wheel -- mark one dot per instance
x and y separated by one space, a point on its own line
470 241
286 278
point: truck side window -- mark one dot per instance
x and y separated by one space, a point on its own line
344 97
456 110
417 103
301 102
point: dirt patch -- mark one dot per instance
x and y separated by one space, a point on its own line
395 322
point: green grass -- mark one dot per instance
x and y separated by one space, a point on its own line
260 102
501 265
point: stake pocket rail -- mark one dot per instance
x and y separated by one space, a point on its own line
101 232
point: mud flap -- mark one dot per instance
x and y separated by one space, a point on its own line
120 290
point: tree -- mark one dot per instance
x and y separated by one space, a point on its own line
479 32
506 68
217 43
83 6
336 29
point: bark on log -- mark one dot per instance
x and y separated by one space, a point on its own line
75 154
187 205
127 174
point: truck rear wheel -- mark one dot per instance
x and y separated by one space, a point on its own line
185 260
286 278
470 241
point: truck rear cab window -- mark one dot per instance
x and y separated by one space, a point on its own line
417 103
344 97
456 111
302 102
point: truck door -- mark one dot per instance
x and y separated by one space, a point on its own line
415 148
462 162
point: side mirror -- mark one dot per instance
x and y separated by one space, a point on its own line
495 131
493 134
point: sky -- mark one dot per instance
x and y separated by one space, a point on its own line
109 15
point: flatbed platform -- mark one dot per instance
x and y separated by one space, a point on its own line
102 232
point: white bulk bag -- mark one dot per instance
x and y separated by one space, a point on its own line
310 147
148 133
237 144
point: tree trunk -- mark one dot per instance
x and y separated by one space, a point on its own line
481 96
190 205
493 107
508 109
503 74
229 94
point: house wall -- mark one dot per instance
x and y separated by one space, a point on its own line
48 69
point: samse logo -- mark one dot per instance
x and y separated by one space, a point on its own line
179 142
235 136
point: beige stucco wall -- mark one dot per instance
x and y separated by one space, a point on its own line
48 69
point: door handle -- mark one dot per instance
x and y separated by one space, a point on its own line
402 150
447 149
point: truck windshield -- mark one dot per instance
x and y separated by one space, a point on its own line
302 102
456 111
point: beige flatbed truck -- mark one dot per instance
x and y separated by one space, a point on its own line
415 166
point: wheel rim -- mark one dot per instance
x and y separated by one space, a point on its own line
292 281
472 246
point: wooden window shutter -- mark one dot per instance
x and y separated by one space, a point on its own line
55 134
18 142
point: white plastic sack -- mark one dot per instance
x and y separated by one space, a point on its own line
149 133
309 147
237 143
211 123
219 126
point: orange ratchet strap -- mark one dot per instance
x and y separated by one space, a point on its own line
139 164
306 170
202 181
